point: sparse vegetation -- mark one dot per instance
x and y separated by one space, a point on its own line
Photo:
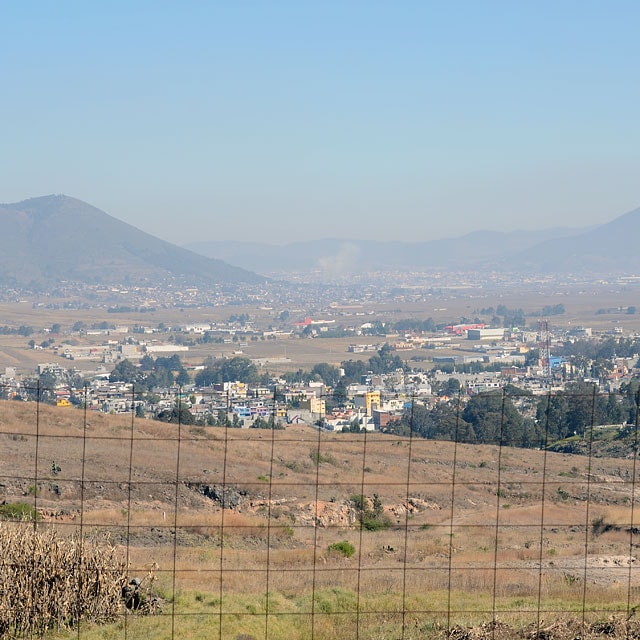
600 525
18 511
370 513
318 457
344 548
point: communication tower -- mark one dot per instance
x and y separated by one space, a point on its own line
545 349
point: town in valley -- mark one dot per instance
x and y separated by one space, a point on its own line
339 357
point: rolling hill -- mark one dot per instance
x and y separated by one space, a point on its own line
606 249
56 237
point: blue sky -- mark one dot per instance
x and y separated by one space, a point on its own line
279 121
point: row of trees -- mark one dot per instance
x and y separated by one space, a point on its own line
180 414
229 370
163 372
159 372
514 417
602 349
22 330
500 316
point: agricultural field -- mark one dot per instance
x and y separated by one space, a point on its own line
290 353
299 533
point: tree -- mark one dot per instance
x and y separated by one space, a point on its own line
41 388
385 361
179 414
443 422
551 416
147 362
453 386
126 371
553 310
353 370
339 396
207 377
228 370
298 376
631 400
614 410
572 411
494 418
261 423
376 329
370 513
532 357
183 378
583 407
327 373
427 325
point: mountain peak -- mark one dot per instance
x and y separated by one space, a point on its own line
53 237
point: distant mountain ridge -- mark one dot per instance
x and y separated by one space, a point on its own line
476 249
48 239
607 249
52 238
599 250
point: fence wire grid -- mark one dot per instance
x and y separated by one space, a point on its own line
300 532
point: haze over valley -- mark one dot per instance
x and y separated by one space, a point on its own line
48 239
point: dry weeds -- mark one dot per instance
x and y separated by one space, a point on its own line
48 582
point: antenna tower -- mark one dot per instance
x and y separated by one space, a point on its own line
545 349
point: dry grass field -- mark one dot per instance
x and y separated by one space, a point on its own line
476 533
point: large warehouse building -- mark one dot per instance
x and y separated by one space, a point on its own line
485 334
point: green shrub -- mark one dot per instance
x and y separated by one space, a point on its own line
318 458
18 511
373 522
371 518
344 547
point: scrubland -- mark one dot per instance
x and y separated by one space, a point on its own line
467 534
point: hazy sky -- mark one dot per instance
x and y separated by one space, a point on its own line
284 120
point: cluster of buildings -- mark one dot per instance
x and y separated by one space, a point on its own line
497 356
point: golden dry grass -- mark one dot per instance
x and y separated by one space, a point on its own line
508 530
50 582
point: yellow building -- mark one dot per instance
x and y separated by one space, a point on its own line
372 397
314 405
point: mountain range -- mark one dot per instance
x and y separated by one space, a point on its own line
600 250
53 238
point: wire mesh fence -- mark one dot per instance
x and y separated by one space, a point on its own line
294 531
